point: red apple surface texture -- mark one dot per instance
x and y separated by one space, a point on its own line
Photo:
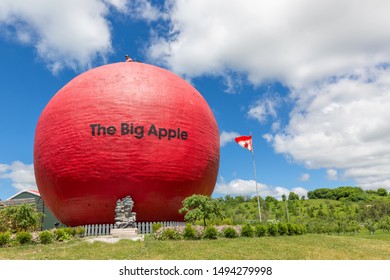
125 129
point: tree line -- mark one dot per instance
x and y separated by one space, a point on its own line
346 193
330 211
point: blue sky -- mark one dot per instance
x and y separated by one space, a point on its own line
309 81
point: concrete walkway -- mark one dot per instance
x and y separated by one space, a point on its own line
111 239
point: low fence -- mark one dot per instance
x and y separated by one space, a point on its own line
143 228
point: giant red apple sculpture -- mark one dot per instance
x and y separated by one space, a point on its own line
125 129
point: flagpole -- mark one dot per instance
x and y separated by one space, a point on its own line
288 218
254 172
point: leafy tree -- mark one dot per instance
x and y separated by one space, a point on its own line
353 193
384 224
239 199
321 213
371 192
347 192
382 192
340 226
352 227
27 217
254 199
6 218
279 215
310 211
201 207
371 225
270 199
293 196
322 193
228 198
20 218
376 210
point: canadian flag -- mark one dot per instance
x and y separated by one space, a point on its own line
245 142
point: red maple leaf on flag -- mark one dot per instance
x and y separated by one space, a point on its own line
245 142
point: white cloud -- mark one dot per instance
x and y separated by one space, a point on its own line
304 177
294 42
233 82
268 137
264 109
342 124
332 174
120 5
143 9
21 175
300 191
72 34
227 137
248 187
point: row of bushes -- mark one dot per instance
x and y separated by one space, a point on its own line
43 237
191 232
340 226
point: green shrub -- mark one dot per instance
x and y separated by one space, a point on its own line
272 229
19 218
210 233
296 229
70 231
3 222
282 229
61 234
190 232
5 238
247 231
230 232
23 237
260 230
156 227
46 237
301 229
292 229
80 231
171 234
227 221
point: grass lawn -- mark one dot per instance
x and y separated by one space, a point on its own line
305 247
